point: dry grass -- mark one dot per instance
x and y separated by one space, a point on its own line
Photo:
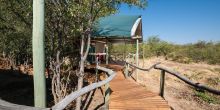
179 95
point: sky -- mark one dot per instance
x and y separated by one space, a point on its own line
179 21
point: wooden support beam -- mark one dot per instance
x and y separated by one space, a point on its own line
143 54
96 69
137 58
107 54
124 51
126 70
128 75
38 54
162 81
107 96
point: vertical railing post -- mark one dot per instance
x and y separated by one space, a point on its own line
162 80
124 53
96 69
38 54
137 58
107 95
126 70
143 55
107 57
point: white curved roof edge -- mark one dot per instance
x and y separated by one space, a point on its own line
135 26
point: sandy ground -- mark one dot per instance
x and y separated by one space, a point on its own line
179 95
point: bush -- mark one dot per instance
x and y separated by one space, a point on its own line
179 58
201 51
207 97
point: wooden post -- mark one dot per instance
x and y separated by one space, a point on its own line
137 58
124 53
106 58
107 95
133 58
143 55
96 69
162 80
38 54
126 70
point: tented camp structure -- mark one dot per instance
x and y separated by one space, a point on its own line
118 28
115 29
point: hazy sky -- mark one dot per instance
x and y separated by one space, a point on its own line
179 21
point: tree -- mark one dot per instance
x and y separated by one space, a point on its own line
95 10
66 24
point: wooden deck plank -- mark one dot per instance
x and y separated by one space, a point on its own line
129 95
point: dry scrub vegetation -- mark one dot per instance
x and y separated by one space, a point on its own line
179 95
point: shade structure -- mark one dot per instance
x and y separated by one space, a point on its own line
118 28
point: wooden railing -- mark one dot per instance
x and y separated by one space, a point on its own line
176 74
4 105
111 74
71 97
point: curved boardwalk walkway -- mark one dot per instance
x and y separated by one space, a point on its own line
126 94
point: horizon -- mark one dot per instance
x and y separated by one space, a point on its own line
179 22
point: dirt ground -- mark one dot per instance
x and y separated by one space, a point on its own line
18 88
179 95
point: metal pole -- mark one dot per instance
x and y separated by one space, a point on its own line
162 79
38 54
137 58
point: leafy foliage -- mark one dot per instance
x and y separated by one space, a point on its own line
65 23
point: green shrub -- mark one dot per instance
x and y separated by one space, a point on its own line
207 97
175 56
201 51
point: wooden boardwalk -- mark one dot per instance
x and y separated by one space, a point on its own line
126 94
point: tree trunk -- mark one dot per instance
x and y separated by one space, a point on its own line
80 75
78 100
84 56
81 71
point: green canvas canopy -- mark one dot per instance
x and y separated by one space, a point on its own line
115 29
118 27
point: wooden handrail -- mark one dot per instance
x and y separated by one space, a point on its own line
144 69
186 80
179 76
71 97
4 105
